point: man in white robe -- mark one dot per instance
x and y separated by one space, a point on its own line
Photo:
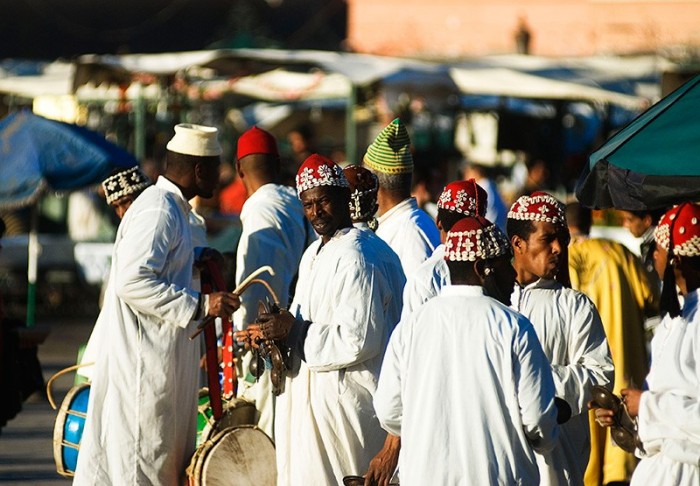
459 199
406 228
141 421
464 382
668 412
121 189
275 233
346 305
567 324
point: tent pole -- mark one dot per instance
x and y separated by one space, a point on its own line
32 266
351 128
140 124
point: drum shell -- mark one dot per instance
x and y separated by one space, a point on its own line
235 412
68 429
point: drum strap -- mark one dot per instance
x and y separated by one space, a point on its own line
213 280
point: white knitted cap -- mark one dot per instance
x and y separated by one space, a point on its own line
198 140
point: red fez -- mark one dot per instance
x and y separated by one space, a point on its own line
318 170
681 225
539 206
256 141
475 238
465 197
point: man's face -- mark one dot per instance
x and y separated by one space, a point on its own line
325 209
122 204
207 176
660 260
634 224
538 256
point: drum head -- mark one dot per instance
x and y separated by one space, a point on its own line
240 456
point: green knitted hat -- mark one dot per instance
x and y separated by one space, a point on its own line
390 152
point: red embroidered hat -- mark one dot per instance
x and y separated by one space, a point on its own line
539 206
684 221
465 197
318 170
475 238
256 141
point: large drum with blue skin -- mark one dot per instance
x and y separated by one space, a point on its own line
68 431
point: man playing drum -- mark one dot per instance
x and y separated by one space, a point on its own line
141 422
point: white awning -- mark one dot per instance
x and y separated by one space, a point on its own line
508 82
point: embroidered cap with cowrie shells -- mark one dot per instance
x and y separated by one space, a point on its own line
683 221
475 238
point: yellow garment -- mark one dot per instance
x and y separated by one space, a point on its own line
614 279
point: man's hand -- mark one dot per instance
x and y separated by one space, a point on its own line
276 326
383 465
603 416
250 337
223 304
631 398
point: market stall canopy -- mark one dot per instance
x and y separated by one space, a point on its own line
512 83
55 80
360 69
527 77
283 85
652 162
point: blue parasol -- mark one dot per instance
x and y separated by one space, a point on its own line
38 154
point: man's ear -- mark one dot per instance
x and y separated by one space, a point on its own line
238 169
479 266
678 261
199 170
438 223
518 244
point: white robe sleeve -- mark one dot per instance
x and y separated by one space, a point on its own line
535 389
356 331
139 279
589 358
388 404
664 415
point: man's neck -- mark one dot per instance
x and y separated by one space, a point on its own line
326 238
524 278
387 200
252 184
181 184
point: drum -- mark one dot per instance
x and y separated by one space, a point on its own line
68 430
237 456
235 412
